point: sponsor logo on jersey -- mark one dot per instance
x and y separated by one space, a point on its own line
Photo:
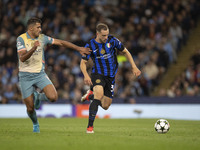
106 56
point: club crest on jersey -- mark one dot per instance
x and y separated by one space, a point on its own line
98 80
103 51
108 45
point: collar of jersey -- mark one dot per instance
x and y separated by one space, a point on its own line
28 36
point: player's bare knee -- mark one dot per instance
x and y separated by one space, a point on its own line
105 106
99 97
53 97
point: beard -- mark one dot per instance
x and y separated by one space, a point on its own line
102 41
37 35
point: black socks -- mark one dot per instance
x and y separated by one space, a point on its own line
91 97
93 111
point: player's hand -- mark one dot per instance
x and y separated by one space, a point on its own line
36 44
84 51
87 80
136 71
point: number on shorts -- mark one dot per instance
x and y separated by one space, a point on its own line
112 88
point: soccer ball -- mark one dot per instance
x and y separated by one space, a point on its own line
162 126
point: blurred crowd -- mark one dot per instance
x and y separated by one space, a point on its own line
154 32
188 83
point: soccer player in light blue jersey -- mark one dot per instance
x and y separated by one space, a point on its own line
30 48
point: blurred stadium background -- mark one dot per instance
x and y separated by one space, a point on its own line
162 35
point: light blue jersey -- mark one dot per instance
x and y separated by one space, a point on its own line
35 63
31 72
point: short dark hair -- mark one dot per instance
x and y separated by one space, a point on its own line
101 26
33 20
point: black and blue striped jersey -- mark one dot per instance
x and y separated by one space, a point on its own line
104 56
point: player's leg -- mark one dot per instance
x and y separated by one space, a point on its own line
47 86
88 96
31 113
50 92
108 92
27 95
98 85
98 95
106 102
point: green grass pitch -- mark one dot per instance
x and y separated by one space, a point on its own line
110 134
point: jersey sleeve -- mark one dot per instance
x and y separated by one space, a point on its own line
118 44
86 57
48 40
20 44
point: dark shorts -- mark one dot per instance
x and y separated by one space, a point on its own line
105 81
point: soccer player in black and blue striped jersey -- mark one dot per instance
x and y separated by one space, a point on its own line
104 55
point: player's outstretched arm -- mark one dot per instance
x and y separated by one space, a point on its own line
83 66
81 50
135 69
